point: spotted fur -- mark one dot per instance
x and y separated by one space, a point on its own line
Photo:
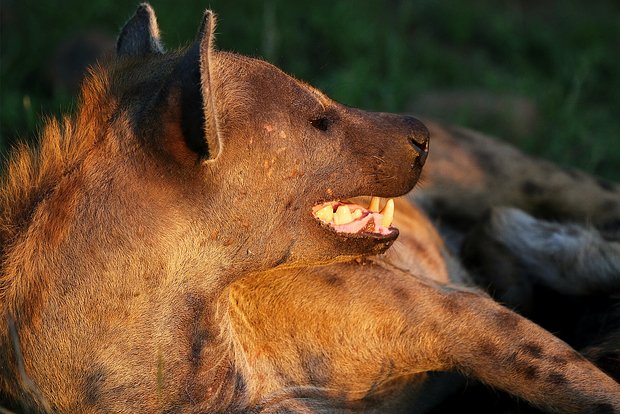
156 258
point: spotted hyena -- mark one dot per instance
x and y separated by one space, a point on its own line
189 241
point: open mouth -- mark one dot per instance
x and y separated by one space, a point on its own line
354 220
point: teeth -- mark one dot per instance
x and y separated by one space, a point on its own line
326 214
388 213
374 204
343 215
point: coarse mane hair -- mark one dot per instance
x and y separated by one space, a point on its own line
33 170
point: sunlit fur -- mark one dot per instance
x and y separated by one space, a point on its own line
142 277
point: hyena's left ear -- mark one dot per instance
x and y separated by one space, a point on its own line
196 76
140 35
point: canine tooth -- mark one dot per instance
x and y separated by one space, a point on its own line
343 215
356 214
326 214
388 213
374 204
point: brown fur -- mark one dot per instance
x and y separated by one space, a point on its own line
167 261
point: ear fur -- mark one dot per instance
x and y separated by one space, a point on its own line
140 35
207 87
195 76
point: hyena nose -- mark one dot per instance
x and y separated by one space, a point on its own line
418 137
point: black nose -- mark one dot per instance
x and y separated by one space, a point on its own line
418 137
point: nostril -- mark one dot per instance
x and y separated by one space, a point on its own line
418 135
420 142
422 151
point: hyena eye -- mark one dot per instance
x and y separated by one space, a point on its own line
321 123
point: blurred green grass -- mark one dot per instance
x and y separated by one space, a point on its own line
561 56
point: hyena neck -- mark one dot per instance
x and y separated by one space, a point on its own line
33 172
106 226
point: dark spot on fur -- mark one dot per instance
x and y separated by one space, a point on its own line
533 350
506 319
557 378
198 335
531 189
530 372
604 408
521 367
316 366
196 303
333 280
605 185
199 339
452 304
400 294
93 385
489 349
241 385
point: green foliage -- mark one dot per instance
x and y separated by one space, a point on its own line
562 56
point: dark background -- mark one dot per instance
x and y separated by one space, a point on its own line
544 75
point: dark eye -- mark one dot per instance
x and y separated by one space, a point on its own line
321 123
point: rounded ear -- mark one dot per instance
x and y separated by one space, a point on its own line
140 35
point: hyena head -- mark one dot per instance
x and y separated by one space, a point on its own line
212 160
257 152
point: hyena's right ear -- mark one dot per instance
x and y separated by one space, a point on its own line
140 35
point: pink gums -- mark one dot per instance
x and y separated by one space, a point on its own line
358 225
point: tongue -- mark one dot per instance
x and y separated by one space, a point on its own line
371 223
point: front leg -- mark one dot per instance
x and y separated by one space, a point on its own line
349 334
